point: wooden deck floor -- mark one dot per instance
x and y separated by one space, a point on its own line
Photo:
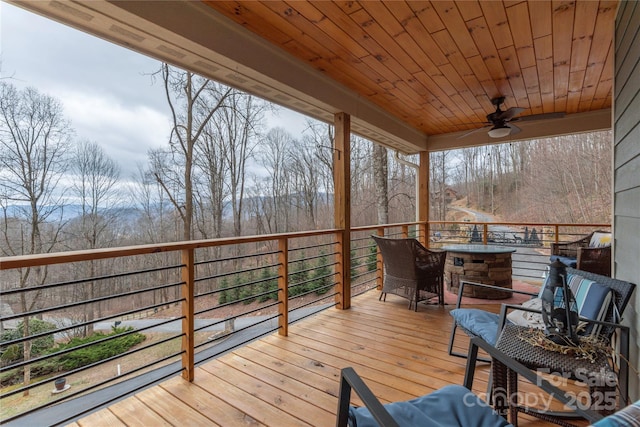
293 381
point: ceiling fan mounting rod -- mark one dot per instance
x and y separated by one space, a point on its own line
498 101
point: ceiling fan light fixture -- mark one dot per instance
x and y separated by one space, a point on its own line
499 131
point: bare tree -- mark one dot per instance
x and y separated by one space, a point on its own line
274 156
157 222
95 176
308 174
238 128
439 176
34 138
210 186
321 135
193 101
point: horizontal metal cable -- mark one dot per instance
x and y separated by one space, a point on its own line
252 338
206 310
85 345
97 385
314 302
231 273
98 363
89 301
92 279
318 245
79 325
233 258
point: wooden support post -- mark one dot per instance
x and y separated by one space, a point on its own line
405 231
342 206
188 290
283 286
485 233
423 199
379 263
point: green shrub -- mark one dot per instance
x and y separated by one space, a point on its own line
297 274
14 353
355 263
269 284
99 351
321 284
224 293
80 357
246 293
372 259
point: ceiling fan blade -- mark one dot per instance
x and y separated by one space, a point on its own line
543 116
510 112
472 131
514 129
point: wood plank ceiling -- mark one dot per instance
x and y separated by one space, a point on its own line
413 75
437 64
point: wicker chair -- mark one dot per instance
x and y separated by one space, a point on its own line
486 325
581 255
411 270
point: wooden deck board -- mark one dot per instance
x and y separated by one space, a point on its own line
133 412
100 418
207 404
294 380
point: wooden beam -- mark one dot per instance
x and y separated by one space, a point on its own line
342 205
570 124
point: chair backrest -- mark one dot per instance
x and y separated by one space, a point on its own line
399 256
622 291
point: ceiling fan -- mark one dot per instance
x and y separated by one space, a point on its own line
500 121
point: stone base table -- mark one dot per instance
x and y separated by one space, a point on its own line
489 265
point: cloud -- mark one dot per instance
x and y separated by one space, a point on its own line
126 131
106 90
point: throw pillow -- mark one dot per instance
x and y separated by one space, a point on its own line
600 240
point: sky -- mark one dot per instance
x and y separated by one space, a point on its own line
106 90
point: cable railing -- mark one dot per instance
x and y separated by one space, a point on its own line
168 306
532 241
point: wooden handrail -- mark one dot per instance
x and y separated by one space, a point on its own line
535 224
7 263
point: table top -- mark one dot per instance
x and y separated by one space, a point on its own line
534 357
483 249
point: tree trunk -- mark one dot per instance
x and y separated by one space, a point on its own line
381 179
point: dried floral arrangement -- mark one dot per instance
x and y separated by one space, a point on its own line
588 348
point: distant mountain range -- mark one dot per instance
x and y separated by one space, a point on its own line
68 212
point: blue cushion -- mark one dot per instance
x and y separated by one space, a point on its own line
593 300
452 405
568 261
479 322
627 417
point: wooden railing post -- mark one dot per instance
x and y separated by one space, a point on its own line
423 230
485 233
187 291
556 230
423 199
283 286
405 231
379 262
